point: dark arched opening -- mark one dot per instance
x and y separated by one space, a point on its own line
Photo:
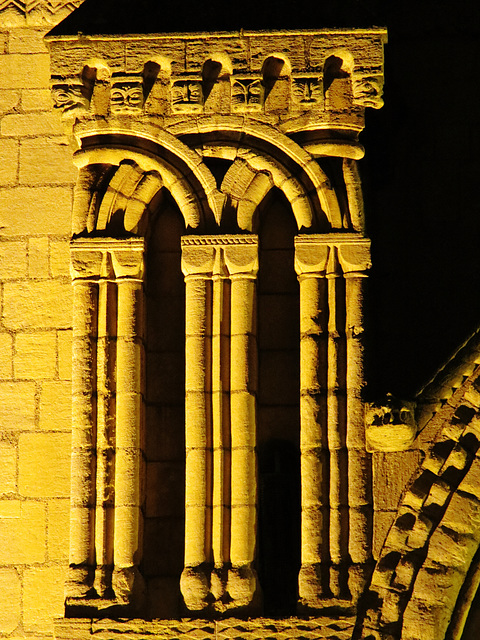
278 409
164 521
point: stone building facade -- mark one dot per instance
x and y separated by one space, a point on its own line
187 448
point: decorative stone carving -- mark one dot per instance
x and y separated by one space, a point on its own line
126 95
187 96
307 92
70 98
367 91
390 426
247 94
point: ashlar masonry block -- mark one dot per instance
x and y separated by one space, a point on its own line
58 524
19 124
10 600
56 162
13 260
6 370
35 210
17 405
38 257
19 71
37 305
8 467
35 355
44 465
59 258
64 354
22 532
42 597
8 162
56 405
36 99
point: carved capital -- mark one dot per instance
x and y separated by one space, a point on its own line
313 253
237 255
390 425
103 258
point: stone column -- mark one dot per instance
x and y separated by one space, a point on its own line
310 263
128 264
220 515
355 261
107 420
197 266
105 446
85 267
241 257
336 531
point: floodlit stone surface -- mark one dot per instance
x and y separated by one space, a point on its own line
182 411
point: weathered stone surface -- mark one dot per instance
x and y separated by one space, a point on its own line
56 406
38 253
18 71
39 453
35 210
42 597
17 406
8 467
10 600
13 260
56 166
58 521
35 356
22 532
38 305
9 162
6 356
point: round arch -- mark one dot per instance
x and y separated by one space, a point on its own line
421 587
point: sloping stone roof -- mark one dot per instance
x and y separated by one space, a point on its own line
114 17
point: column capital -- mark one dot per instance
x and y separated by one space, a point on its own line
107 258
312 253
238 254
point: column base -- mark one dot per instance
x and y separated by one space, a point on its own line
195 587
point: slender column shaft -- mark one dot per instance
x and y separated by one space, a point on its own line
313 359
359 467
220 419
335 427
198 441
127 541
82 512
104 512
242 582
243 387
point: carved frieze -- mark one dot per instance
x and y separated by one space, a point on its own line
187 96
367 90
70 98
247 94
126 95
307 92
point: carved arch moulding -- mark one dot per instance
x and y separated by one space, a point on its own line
214 126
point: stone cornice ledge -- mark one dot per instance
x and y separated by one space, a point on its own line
253 629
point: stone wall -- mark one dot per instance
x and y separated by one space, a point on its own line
36 186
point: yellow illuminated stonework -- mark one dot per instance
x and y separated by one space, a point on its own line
186 450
